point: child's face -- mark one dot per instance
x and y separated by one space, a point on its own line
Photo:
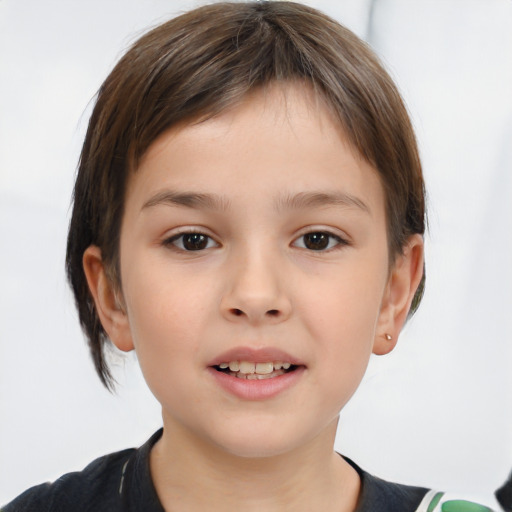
256 236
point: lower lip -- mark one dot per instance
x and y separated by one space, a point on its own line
257 389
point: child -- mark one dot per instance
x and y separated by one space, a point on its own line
248 216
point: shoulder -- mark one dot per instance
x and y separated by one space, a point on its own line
95 488
119 482
378 495
449 502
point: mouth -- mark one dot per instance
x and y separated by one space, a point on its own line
250 373
249 370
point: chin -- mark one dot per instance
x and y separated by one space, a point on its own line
257 448
246 441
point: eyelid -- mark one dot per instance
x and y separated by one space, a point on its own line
342 239
169 239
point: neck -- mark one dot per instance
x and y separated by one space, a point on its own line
190 474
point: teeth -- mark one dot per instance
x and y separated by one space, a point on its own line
247 368
264 368
257 376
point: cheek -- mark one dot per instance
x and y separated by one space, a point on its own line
342 319
166 313
167 341
346 304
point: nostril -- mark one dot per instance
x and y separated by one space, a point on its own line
270 313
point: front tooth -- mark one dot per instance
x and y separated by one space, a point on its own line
264 368
246 367
263 377
234 366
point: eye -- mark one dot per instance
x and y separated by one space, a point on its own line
319 241
191 242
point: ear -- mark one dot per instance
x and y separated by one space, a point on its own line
404 278
109 306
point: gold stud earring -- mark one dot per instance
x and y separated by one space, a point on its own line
388 337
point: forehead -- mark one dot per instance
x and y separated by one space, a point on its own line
280 139
276 102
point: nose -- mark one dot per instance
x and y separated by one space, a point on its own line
256 291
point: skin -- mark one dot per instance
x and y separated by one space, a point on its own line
256 283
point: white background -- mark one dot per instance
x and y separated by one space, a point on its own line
436 412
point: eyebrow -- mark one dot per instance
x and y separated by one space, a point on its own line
318 199
188 199
302 200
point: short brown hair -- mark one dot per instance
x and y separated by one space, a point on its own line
205 61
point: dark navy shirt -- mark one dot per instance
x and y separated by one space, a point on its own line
121 482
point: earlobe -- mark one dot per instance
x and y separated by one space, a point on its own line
108 303
403 282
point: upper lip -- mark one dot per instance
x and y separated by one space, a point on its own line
255 355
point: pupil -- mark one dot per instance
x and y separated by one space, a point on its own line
195 241
316 241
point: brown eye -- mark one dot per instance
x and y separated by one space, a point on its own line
191 242
318 241
195 241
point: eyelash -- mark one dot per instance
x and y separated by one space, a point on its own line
171 242
333 241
